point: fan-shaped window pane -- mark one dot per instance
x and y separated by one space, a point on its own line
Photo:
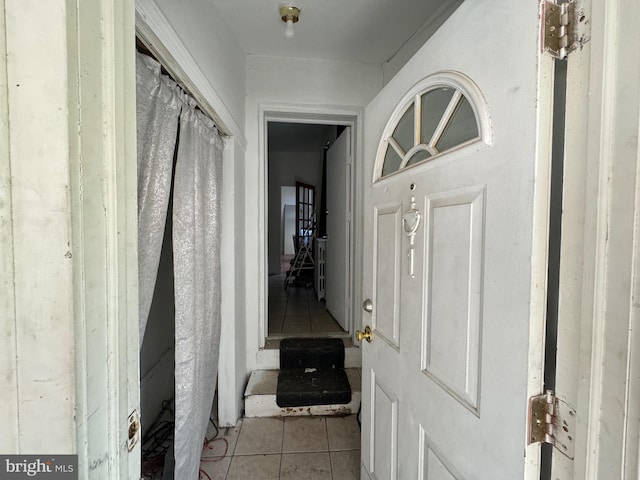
461 128
434 104
403 134
417 157
441 113
392 161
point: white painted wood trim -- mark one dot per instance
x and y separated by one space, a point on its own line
157 32
103 171
575 264
229 394
540 248
614 275
573 380
631 466
9 440
598 357
446 116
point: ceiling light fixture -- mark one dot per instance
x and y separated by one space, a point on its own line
290 15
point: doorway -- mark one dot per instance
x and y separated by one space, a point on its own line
297 236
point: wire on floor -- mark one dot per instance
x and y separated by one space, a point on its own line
210 444
203 475
214 426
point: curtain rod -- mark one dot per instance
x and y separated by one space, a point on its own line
147 49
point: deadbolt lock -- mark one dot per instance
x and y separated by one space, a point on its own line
367 305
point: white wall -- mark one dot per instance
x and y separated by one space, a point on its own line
214 48
417 40
314 86
232 370
308 81
37 373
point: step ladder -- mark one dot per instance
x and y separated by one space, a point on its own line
303 260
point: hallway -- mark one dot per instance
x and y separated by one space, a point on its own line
292 448
296 311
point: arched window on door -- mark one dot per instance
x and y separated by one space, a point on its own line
443 113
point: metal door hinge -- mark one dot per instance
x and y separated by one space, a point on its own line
559 28
551 420
133 434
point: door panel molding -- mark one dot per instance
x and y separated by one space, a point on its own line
433 463
385 320
452 295
383 458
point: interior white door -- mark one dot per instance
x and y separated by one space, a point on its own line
337 267
455 252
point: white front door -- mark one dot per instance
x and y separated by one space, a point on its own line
455 249
337 268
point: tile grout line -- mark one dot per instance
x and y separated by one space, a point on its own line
233 453
281 449
326 432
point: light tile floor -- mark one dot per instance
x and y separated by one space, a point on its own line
296 310
291 448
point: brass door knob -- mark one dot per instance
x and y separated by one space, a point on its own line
366 335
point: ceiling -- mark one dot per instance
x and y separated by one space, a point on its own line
369 31
299 137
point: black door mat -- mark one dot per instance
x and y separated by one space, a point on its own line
319 353
312 386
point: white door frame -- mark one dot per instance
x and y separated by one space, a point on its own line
598 359
104 225
311 115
